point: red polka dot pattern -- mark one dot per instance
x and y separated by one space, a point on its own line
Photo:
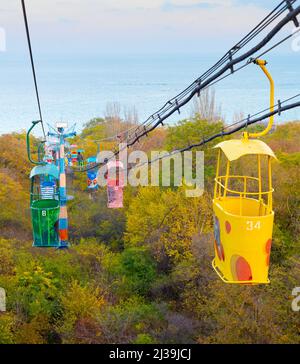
243 270
227 227
268 246
220 251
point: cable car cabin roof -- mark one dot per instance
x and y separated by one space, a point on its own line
237 148
48 169
92 160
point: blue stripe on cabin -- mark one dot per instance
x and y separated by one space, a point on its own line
63 224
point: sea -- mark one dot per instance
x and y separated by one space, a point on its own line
77 88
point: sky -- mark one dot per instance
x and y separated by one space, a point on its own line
192 33
130 26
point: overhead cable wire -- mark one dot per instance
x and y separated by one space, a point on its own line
32 66
279 108
196 87
251 60
240 125
279 10
250 36
160 118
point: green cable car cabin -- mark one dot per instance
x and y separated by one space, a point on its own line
45 206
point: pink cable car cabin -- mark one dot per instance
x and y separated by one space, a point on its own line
115 184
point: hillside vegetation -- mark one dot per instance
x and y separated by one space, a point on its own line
143 274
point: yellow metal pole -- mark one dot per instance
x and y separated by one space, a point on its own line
270 202
217 173
226 178
245 187
262 64
259 176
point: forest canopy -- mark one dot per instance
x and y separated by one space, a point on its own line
143 274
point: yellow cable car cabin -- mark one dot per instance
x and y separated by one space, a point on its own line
243 212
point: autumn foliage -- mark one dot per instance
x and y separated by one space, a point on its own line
143 274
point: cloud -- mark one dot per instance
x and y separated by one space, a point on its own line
129 5
199 3
135 25
190 5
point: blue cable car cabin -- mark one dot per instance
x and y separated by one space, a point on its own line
44 205
92 174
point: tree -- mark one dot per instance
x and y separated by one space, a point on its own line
166 222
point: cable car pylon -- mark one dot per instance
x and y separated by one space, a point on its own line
63 213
